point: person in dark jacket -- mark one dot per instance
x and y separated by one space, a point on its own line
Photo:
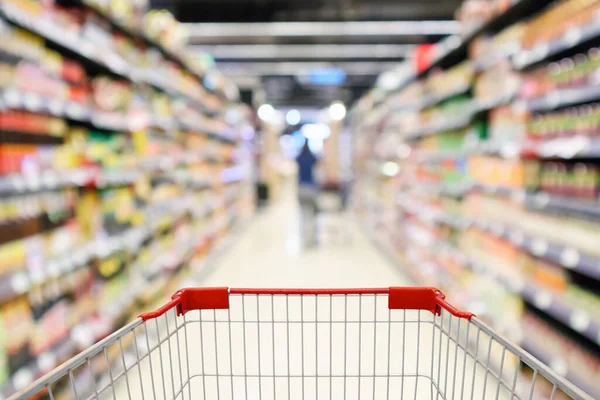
307 192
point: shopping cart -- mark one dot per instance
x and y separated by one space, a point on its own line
220 343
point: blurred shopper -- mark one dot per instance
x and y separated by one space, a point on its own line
307 194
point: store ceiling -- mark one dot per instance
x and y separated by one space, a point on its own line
295 49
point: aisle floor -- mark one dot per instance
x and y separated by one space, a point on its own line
269 253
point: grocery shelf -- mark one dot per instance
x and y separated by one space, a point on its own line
566 148
575 207
457 122
61 351
563 98
86 53
575 36
430 230
549 303
139 35
432 100
454 49
543 201
49 180
16 229
14 98
571 316
567 256
200 273
487 61
569 147
19 282
69 345
557 363
9 58
483 105
196 218
85 50
17 137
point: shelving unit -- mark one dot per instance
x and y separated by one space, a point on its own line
489 200
120 178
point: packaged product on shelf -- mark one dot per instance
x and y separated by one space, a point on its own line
507 126
111 95
12 256
117 209
160 25
19 42
582 298
109 267
545 274
572 72
454 80
51 325
16 316
473 13
498 82
26 122
582 120
563 230
486 51
493 171
581 180
557 20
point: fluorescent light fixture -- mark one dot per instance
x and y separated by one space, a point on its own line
312 29
337 111
266 112
292 117
305 51
390 169
297 68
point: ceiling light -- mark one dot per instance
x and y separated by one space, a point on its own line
293 117
337 111
266 112
390 169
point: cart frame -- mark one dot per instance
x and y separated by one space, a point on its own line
428 304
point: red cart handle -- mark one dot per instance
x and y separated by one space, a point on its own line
399 298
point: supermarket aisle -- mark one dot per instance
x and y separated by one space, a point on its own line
269 254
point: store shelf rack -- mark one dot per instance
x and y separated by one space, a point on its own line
542 201
576 36
86 52
453 50
90 56
431 232
551 304
562 98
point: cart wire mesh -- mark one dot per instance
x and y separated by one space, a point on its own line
220 343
